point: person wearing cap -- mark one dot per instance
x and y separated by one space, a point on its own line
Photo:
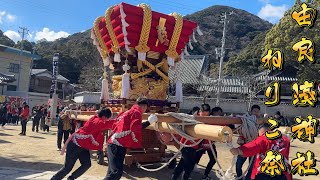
126 133
24 118
64 125
89 137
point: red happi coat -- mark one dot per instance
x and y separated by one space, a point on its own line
91 135
261 145
127 130
25 113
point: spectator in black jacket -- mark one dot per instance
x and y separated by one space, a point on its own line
36 118
3 115
281 119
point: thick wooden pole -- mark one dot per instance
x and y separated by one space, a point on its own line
216 120
284 130
200 131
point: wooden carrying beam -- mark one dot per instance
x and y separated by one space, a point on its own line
201 131
284 130
216 120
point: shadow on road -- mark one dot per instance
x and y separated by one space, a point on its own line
4 134
4 142
17 162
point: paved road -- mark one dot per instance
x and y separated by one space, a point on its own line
35 157
8 173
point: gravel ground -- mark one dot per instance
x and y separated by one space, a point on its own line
37 151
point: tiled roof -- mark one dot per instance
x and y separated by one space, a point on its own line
8 49
49 74
237 85
228 85
278 78
265 76
190 69
37 71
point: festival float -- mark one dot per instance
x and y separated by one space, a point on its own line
139 46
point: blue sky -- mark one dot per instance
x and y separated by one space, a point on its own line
52 19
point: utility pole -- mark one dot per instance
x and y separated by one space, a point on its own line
23 32
222 54
54 101
31 67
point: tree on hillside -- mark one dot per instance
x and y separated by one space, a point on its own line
285 34
90 78
77 55
247 62
242 28
27 46
5 40
282 36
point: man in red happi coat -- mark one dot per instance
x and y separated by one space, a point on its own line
126 133
259 147
24 118
89 137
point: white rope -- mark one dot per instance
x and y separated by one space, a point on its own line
220 170
179 128
249 129
163 166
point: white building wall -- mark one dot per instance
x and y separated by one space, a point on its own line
229 106
237 106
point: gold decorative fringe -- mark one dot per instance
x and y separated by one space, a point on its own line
146 26
98 35
115 46
171 52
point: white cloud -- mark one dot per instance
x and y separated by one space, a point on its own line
13 35
2 14
30 36
272 13
11 18
50 35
